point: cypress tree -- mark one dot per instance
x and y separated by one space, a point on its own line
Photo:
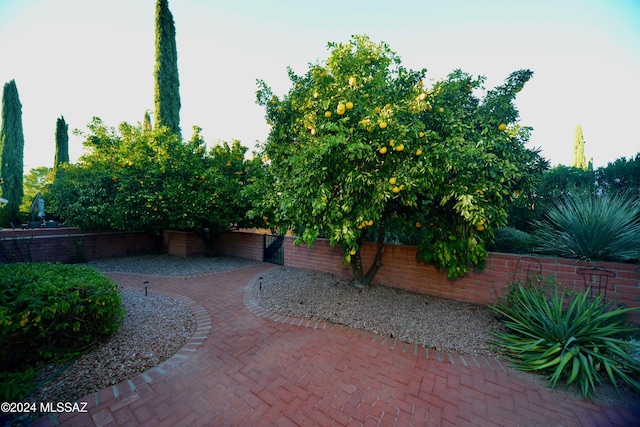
12 147
146 121
167 83
579 160
62 145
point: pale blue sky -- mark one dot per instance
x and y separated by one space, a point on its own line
84 58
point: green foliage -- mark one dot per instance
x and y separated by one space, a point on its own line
605 227
167 81
620 176
12 154
579 160
15 386
53 311
563 181
567 336
37 180
358 141
142 179
512 240
62 145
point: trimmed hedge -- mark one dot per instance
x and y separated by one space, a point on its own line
53 311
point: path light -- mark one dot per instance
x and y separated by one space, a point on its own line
260 282
145 283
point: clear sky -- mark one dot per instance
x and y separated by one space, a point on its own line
85 58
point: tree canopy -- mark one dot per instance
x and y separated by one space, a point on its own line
12 154
167 81
62 144
360 140
142 179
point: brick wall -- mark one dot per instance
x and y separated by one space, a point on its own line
181 243
400 269
240 244
69 245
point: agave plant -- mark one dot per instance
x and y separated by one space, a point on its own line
595 227
582 344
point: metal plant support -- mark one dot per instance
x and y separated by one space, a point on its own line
596 280
528 270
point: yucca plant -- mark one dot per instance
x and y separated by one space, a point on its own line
595 227
568 336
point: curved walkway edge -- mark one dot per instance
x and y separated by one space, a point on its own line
248 366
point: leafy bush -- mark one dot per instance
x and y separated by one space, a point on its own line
568 336
52 311
513 241
604 227
16 385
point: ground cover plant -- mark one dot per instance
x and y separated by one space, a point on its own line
50 312
568 336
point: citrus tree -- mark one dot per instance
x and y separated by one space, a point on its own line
142 179
359 141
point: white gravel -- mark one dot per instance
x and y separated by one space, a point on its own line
413 318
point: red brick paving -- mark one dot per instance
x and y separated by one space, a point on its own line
246 366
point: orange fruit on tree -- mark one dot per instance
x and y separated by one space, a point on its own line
383 150
399 147
418 224
349 105
418 152
392 180
352 252
327 114
396 190
382 125
420 134
441 110
369 223
502 127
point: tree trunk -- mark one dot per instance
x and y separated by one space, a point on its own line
361 279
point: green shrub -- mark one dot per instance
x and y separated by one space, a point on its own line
567 336
53 311
604 227
513 241
16 385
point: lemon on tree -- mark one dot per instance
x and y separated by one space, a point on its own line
343 183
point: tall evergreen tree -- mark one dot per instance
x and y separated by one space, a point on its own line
146 121
12 148
167 82
62 145
579 159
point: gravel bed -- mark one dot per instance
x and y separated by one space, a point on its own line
171 266
438 323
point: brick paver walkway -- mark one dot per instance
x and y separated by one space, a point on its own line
248 367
